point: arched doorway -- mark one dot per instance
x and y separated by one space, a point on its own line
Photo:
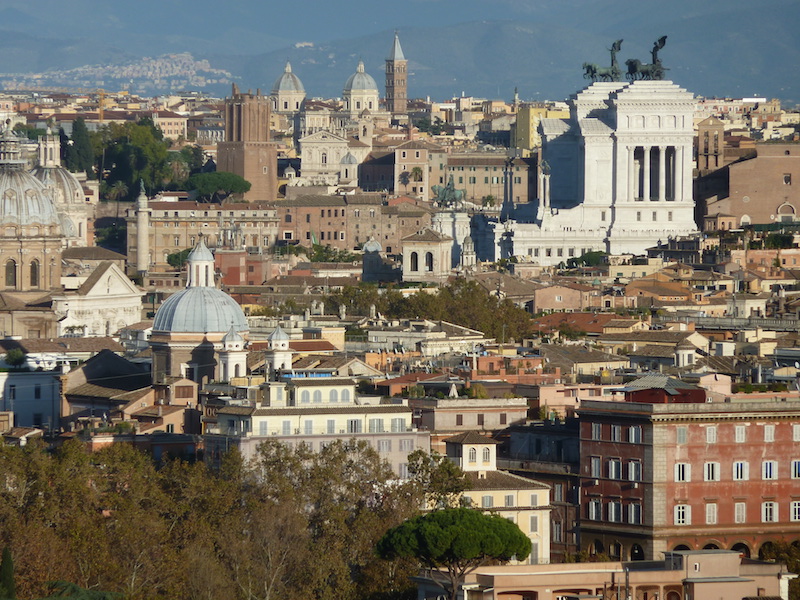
429 261
742 549
615 551
414 261
597 547
637 552
711 546
767 550
681 547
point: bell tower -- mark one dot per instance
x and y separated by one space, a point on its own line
397 80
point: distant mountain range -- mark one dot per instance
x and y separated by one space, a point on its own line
713 49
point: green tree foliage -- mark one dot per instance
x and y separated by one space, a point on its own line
113 520
440 479
15 357
788 553
69 591
131 152
217 186
778 240
29 131
462 302
8 589
457 541
589 259
79 155
178 259
117 191
320 253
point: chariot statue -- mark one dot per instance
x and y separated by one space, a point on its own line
612 73
654 70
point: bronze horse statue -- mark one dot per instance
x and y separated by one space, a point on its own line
638 70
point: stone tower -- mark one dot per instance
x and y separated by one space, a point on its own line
247 150
396 80
142 232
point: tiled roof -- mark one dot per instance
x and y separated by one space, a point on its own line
660 382
498 480
62 345
427 235
470 437
90 253
577 354
654 352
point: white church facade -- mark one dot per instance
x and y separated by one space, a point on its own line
614 177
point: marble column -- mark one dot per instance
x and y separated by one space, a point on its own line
646 165
680 171
631 174
662 173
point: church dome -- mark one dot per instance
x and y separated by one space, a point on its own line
66 187
24 200
288 81
360 81
372 245
200 310
349 159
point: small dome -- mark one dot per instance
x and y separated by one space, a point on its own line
24 200
360 81
288 81
278 335
349 159
232 337
200 253
67 188
372 245
200 310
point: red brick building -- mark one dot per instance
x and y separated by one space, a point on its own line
666 470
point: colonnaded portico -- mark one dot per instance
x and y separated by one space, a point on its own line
616 176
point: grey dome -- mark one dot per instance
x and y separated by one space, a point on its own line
67 188
372 246
288 82
349 159
24 200
200 252
278 334
360 80
200 310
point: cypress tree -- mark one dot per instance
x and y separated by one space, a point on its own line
7 587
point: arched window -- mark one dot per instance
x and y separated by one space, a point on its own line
414 261
486 455
35 273
334 397
324 158
345 395
11 273
317 396
429 261
236 370
288 218
305 397
473 455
